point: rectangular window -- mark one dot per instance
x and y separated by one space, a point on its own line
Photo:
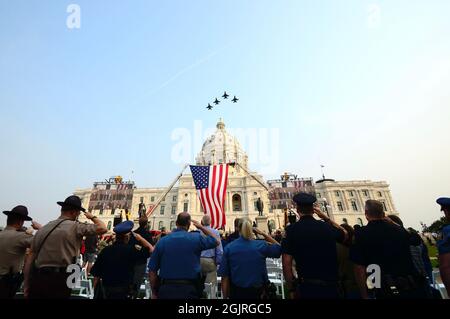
174 210
174 199
340 207
354 206
152 199
185 207
162 209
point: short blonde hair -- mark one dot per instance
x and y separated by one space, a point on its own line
246 229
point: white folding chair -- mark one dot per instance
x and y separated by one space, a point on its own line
439 285
275 275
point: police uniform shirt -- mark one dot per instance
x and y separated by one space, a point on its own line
133 242
386 245
312 244
443 245
115 264
13 245
244 262
177 256
64 243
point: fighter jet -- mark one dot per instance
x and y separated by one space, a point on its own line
216 102
209 107
225 95
235 99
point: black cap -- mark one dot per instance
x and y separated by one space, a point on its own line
19 211
72 202
304 199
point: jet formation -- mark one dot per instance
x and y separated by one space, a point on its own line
225 96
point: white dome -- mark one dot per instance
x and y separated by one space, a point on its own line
221 148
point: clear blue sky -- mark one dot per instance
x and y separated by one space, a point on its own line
80 105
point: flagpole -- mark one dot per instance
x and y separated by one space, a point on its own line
254 177
150 212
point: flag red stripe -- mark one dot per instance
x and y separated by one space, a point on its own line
212 187
218 193
208 205
225 188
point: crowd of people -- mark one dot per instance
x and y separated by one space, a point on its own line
320 258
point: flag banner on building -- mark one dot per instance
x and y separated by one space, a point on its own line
211 184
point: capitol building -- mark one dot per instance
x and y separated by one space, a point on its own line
243 189
343 201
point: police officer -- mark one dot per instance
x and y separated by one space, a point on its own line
444 244
115 264
243 268
387 246
177 258
55 246
141 260
311 244
14 241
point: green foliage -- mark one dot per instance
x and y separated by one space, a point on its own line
435 227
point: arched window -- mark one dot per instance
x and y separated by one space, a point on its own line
160 225
359 222
237 203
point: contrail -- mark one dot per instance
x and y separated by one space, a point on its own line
186 69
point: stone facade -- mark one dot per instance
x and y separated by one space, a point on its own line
345 200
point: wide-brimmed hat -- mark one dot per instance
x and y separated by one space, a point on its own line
20 211
73 202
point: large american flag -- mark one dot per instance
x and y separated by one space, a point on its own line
211 184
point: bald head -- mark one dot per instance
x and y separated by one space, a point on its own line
206 220
183 220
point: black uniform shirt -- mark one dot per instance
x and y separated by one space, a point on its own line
115 264
312 243
383 244
142 259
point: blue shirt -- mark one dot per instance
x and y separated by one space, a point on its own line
216 252
244 261
444 244
177 255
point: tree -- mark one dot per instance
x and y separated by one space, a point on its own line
435 227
